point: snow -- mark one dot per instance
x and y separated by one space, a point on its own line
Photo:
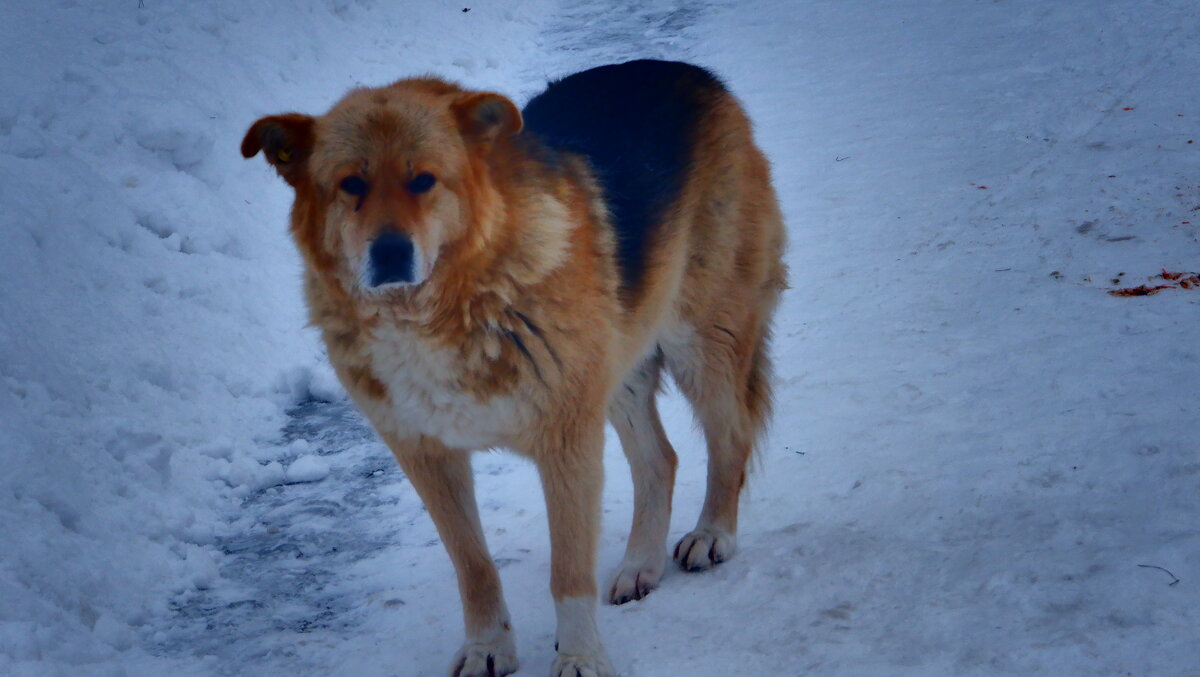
978 457
307 469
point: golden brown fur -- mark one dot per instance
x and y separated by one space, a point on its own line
519 336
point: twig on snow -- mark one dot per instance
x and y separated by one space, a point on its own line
1173 576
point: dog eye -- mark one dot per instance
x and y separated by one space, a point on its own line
421 183
354 185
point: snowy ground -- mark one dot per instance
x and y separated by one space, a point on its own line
976 448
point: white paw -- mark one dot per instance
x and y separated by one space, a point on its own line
636 578
582 666
485 660
705 548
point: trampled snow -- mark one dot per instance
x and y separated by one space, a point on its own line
981 463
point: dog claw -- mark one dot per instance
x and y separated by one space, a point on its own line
484 661
581 666
634 581
704 548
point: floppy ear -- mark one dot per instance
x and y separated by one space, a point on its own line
485 116
286 141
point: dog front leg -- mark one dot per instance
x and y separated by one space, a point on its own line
444 481
572 479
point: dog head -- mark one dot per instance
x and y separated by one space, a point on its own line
390 179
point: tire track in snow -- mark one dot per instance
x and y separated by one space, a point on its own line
284 574
1130 78
589 34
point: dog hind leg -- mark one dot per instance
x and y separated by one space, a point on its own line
724 372
652 461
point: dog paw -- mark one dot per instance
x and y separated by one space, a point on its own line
582 666
485 660
705 548
635 579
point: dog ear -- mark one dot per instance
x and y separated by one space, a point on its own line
286 141
485 116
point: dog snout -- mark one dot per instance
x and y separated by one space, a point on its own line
393 259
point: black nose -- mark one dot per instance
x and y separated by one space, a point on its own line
391 259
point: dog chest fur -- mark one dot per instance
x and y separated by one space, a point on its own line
426 396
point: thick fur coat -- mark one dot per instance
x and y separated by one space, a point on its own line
486 277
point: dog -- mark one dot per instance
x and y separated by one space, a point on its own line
486 277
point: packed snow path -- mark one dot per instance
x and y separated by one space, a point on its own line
981 464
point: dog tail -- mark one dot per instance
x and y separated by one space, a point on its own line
760 396
760 399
